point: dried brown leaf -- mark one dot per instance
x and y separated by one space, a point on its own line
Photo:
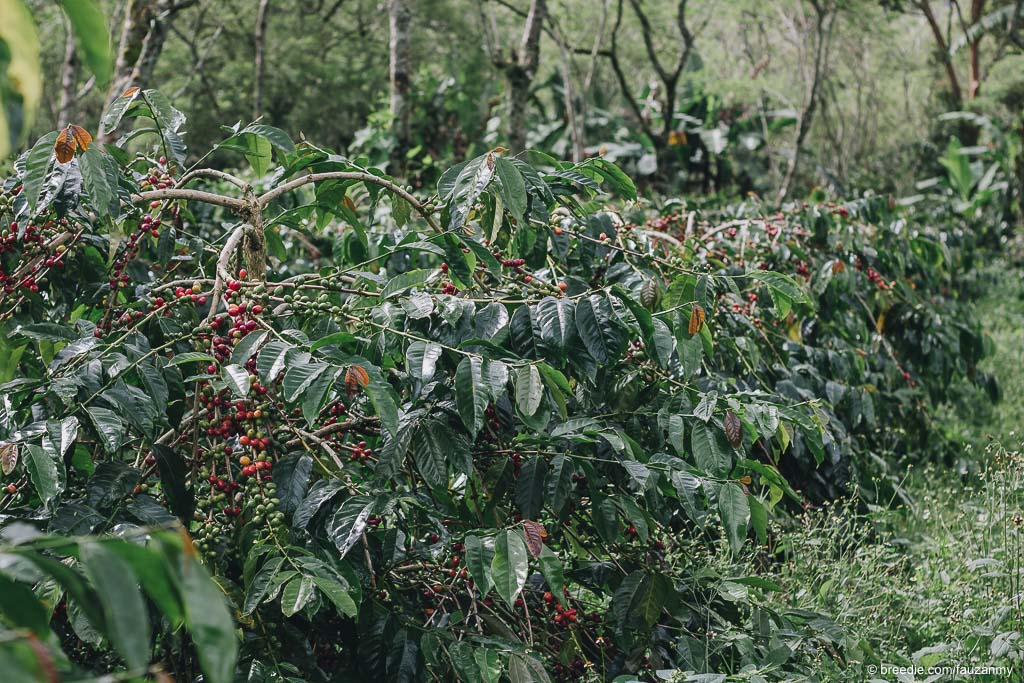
65 146
733 429
697 316
81 136
8 457
535 533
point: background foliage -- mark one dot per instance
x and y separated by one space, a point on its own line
415 406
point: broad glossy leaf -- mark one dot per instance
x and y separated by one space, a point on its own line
271 360
97 181
127 619
595 327
349 521
22 608
479 556
553 571
336 592
209 622
258 589
523 668
709 454
512 188
510 565
529 389
46 472
92 37
735 513
557 322
641 597
247 345
237 380
530 487
37 164
296 594
299 377
471 393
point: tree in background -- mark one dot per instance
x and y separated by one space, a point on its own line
668 75
519 67
400 13
689 95
144 28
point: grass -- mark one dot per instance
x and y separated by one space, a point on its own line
938 582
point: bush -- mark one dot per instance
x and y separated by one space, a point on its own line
499 431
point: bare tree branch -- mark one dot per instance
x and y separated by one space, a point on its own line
943 49
824 22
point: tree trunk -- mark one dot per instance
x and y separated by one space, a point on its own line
515 108
67 84
519 74
259 40
143 33
974 86
942 50
401 80
824 22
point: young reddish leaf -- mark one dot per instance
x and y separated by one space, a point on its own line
697 316
65 146
355 377
733 429
535 534
81 136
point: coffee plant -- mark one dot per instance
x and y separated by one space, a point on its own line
512 430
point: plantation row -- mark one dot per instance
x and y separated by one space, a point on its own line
322 427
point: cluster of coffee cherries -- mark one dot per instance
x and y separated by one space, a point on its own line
565 618
636 350
222 496
29 241
224 502
517 266
157 177
360 452
148 225
241 318
877 280
746 308
668 223
448 287
517 462
193 294
337 411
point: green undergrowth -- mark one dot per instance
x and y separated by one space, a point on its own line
938 580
